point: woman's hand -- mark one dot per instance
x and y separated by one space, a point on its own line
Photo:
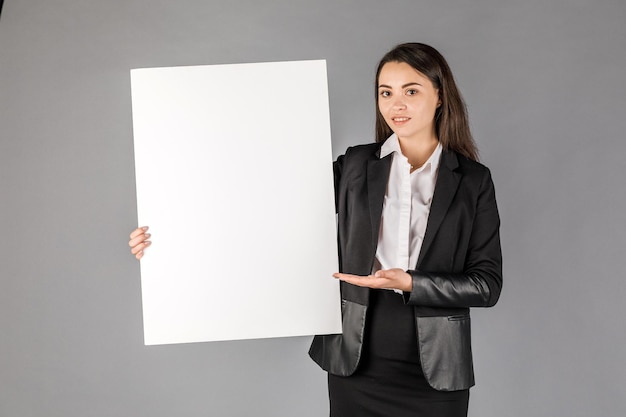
139 241
395 278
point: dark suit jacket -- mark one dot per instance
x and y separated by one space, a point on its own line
459 266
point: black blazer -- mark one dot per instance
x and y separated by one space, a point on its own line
459 266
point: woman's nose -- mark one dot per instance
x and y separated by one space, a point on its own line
399 104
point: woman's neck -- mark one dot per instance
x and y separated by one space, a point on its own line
417 151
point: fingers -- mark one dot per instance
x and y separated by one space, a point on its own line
362 280
140 247
138 231
139 241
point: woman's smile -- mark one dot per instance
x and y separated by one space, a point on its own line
400 120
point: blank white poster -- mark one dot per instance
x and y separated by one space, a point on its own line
234 177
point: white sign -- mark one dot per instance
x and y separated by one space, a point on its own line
234 177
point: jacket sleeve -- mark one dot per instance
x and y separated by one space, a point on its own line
480 283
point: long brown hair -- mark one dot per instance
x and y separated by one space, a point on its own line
451 123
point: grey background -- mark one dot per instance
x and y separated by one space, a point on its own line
546 93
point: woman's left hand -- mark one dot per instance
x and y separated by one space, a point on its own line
395 278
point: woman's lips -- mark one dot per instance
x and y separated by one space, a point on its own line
400 120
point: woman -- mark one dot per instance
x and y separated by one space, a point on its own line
416 214
418 232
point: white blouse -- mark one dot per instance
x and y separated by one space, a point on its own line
405 208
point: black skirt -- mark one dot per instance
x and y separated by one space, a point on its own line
389 381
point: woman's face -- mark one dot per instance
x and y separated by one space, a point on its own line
407 101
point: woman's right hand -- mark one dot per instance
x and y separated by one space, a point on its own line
139 241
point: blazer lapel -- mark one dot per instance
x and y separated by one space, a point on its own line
377 178
447 183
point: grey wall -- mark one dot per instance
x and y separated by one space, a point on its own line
547 98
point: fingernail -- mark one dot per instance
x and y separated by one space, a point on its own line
145 228
147 235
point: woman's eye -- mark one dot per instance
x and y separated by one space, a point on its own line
411 92
385 93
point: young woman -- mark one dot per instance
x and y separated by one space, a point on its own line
418 231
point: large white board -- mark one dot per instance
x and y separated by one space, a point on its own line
234 177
